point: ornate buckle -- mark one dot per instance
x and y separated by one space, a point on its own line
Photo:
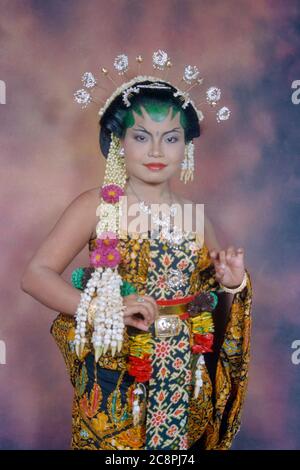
168 325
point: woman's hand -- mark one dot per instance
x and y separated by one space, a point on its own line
140 314
137 314
229 266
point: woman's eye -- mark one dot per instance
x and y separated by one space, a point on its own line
169 139
140 138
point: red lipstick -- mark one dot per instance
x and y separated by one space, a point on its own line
155 166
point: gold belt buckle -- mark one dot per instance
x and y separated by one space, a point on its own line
167 325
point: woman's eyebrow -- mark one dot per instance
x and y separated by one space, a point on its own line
141 128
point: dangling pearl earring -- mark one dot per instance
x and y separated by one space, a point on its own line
187 165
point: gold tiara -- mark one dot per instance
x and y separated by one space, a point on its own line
132 85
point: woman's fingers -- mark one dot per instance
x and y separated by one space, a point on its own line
136 309
220 261
222 256
230 253
140 314
149 303
137 323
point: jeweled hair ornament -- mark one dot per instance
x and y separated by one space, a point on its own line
160 62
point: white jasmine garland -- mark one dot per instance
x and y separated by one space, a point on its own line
198 375
108 322
82 310
109 218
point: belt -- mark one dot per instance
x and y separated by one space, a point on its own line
171 313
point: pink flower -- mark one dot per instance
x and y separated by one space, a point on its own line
111 193
105 257
112 258
96 258
108 234
107 240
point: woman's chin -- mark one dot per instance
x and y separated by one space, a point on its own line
158 176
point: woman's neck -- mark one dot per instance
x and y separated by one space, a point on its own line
151 193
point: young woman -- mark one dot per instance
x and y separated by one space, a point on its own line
180 375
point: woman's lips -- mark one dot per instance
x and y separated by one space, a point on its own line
155 166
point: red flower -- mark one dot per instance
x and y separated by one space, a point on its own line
203 343
140 368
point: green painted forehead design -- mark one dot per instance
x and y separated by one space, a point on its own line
157 109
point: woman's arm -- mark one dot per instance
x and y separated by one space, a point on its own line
212 244
229 365
42 276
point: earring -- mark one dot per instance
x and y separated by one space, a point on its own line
115 170
187 165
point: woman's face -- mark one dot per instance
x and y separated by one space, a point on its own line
151 143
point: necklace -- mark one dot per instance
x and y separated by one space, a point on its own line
176 236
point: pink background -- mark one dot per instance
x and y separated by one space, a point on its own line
247 175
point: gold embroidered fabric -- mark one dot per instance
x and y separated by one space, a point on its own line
102 405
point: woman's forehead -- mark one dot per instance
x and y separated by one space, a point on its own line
146 121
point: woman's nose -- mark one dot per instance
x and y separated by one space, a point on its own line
155 151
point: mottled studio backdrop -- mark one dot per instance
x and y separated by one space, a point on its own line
247 175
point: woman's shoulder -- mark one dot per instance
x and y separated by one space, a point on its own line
94 196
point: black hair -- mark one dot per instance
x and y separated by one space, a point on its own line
117 116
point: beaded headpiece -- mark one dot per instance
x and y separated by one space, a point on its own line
161 62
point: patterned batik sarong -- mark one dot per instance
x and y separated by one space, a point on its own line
168 392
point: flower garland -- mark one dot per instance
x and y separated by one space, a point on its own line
102 294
